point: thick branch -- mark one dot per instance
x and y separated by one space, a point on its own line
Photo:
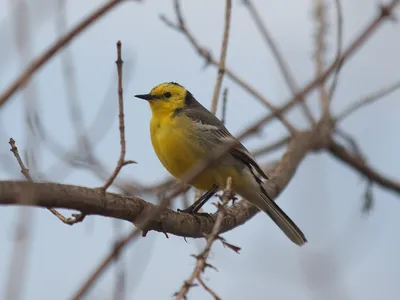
90 201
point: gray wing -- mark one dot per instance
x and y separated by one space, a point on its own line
217 134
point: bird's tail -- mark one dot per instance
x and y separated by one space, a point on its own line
281 219
259 197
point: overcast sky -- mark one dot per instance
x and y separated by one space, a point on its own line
350 255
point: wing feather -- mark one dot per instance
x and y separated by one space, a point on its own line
219 134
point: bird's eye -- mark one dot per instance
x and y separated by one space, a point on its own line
167 95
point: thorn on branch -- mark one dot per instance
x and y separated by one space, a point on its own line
229 245
128 162
166 234
76 218
201 258
208 265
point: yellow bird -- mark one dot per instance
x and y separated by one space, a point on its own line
183 132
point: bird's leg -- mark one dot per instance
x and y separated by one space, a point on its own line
194 208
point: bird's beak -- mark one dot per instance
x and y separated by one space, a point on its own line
146 97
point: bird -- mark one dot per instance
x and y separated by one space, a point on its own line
183 132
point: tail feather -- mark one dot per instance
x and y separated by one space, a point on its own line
281 219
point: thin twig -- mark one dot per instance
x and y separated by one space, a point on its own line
385 12
121 161
70 83
369 99
201 258
182 27
23 38
207 288
83 157
339 45
15 151
224 50
120 280
224 104
25 172
104 264
282 63
19 256
36 64
320 18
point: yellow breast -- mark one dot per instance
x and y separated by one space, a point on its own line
170 137
175 144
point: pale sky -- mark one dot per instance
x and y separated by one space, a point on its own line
350 255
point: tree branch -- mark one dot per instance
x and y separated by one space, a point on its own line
62 42
221 65
182 27
201 259
90 201
283 65
320 51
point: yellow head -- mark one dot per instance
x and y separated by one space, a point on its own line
166 97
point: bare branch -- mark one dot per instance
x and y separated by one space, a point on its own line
182 28
339 45
28 177
212 293
133 209
24 170
121 161
70 83
224 50
25 76
384 13
320 17
369 99
22 237
81 155
224 104
201 258
283 65
105 263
